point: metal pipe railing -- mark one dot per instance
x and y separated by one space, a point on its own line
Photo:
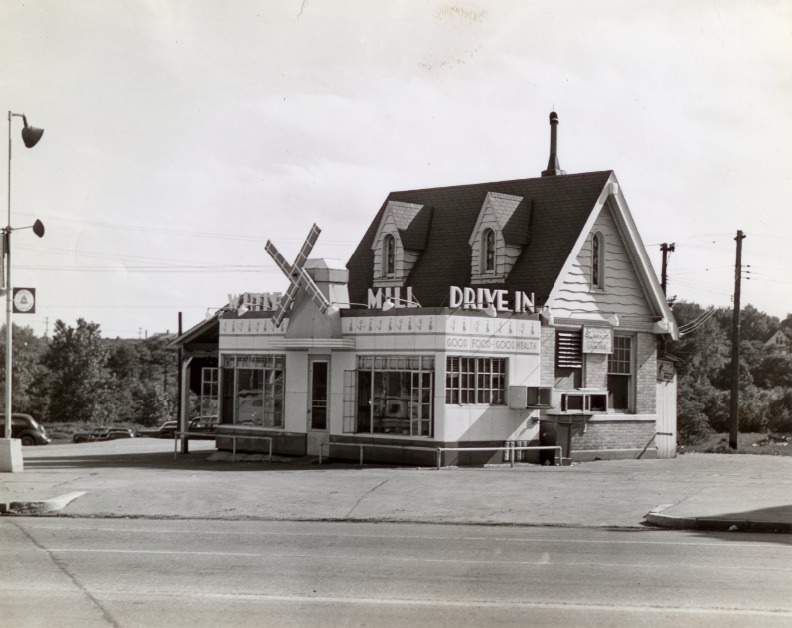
557 458
233 437
656 434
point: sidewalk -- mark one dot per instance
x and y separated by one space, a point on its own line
142 478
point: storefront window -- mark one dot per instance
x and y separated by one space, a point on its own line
210 391
253 390
394 395
476 380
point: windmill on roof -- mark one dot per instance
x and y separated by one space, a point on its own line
316 287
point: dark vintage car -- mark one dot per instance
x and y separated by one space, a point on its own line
85 437
168 429
203 425
118 432
103 433
25 428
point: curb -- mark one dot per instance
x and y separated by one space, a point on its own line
32 508
714 524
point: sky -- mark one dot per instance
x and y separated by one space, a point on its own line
181 135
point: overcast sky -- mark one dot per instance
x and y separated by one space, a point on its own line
181 135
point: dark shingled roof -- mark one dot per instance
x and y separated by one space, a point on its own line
552 214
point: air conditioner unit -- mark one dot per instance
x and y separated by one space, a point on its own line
523 397
584 401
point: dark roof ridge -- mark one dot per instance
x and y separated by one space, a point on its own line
504 182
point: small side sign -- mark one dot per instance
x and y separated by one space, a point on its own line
24 300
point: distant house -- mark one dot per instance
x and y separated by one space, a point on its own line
515 313
779 340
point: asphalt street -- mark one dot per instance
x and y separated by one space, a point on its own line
143 572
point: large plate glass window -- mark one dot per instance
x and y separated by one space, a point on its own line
394 395
253 390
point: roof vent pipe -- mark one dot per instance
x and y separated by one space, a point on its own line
553 167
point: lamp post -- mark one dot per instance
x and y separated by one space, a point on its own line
10 454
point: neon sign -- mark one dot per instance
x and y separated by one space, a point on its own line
481 298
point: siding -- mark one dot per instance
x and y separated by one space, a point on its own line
623 291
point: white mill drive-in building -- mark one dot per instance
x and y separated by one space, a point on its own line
520 312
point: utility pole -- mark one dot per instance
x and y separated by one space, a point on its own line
182 423
735 374
666 249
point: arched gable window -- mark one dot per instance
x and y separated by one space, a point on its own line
389 256
598 261
488 251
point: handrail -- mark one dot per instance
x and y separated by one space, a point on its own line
233 437
557 458
643 451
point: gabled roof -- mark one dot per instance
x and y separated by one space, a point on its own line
561 207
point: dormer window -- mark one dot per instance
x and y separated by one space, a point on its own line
400 239
488 251
598 261
389 255
501 232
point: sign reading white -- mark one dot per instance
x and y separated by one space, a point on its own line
256 301
597 340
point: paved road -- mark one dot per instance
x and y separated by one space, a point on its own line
141 572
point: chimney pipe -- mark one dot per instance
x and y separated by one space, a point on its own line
553 167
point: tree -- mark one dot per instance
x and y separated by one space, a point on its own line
77 359
28 371
704 347
775 369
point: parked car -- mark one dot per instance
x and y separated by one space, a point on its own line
168 429
118 432
85 437
27 429
206 425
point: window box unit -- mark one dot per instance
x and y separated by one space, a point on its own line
590 402
535 397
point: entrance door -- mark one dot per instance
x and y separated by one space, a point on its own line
318 403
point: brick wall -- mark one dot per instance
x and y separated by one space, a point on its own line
547 356
646 374
596 370
612 434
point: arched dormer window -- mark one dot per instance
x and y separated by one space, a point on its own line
598 261
389 256
488 251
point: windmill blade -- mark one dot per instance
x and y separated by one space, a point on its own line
307 247
312 289
269 247
291 292
295 273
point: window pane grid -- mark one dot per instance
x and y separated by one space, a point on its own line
619 362
475 380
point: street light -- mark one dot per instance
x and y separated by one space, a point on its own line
30 136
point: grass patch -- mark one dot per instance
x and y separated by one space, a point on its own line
750 443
